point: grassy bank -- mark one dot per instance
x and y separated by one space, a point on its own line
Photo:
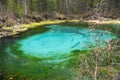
103 22
23 27
16 29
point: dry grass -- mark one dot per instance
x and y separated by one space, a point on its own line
23 27
103 22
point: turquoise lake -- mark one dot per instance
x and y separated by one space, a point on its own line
60 41
49 50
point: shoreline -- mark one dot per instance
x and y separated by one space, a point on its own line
103 22
16 29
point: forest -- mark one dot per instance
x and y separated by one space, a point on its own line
59 39
38 10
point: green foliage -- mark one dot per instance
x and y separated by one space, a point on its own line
79 7
15 7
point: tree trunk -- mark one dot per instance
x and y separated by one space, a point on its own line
25 8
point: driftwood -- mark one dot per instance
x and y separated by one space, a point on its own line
4 33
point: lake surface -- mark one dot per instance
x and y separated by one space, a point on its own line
45 53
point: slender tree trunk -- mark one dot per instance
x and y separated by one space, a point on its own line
96 70
0 10
67 7
25 8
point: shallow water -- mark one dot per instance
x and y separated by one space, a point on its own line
53 46
59 41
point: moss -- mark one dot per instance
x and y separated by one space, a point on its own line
23 27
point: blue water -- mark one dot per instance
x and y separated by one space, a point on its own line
60 41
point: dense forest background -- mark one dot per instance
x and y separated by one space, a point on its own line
37 10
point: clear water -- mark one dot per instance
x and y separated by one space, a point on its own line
48 53
58 42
